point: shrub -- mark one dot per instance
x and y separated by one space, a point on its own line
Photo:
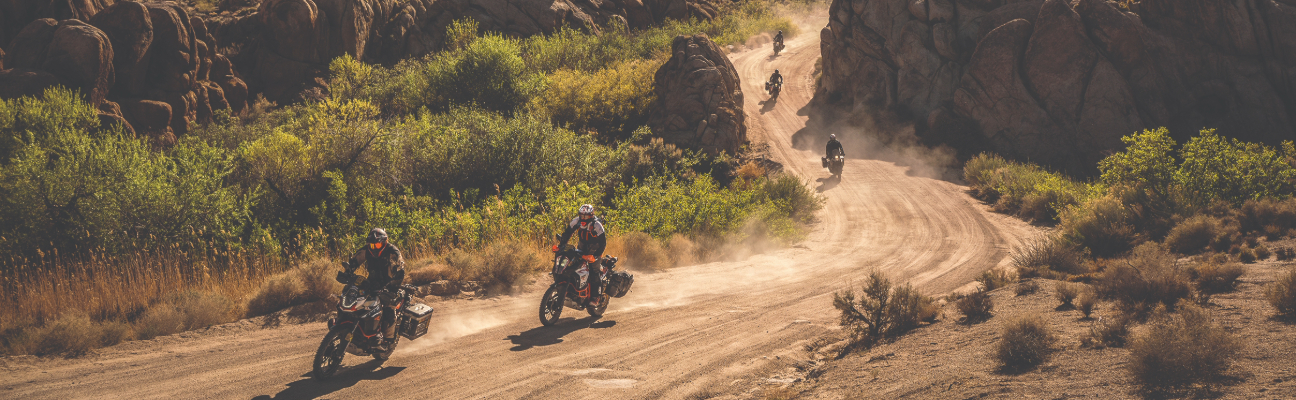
1192 235
72 334
641 251
1212 277
1026 287
612 101
202 309
1218 168
1147 277
488 72
1285 253
995 278
1262 253
505 265
1043 256
1180 350
1086 302
114 332
881 311
278 291
976 306
1246 254
1100 225
159 320
1109 332
1066 292
1282 294
1025 342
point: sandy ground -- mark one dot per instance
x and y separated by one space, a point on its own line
685 333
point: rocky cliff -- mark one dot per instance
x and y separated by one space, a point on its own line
1059 82
699 98
151 66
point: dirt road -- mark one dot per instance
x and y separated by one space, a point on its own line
713 328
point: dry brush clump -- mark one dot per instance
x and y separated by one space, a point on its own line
308 282
1212 277
1026 287
1108 332
1026 341
1180 350
1066 292
1047 257
1148 277
996 278
976 306
1282 294
1193 234
1086 302
881 310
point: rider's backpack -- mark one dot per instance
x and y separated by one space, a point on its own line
619 283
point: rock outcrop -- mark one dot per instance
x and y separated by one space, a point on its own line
285 47
699 100
152 66
1059 82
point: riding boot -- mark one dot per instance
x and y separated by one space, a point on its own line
595 279
389 325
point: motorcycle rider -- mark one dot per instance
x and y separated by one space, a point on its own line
777 78
833 144
384 272
778 39
592 241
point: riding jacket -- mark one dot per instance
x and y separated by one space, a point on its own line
592 238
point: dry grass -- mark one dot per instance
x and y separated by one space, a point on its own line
1086 302
1108 332
1181 350
1047 256
506 265
996 278
642 252
160 321
1213 277
976 306
1066 293
308 282
1026 342
1146 278
777 393
1026 287
1282 294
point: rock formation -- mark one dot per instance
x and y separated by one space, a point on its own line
699 100
1058 81
149 65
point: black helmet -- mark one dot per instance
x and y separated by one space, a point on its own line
776 71
377 235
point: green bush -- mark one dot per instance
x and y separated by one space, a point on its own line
1100 225
1218 168
881 311
1025 342
1180 350
613 101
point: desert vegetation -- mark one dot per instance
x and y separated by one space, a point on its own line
881 310
455 154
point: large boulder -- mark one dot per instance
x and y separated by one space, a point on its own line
130 30
16 14
1059 81
699 100
79 55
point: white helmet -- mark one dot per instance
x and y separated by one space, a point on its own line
587 209
833 136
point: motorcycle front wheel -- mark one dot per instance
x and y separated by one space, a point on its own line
551 305
331 351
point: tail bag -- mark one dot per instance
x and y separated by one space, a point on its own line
619 283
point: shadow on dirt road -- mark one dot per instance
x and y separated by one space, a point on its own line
548 335
309 388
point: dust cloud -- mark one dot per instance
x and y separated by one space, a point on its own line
448 327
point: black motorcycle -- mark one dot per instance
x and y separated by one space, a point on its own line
773 88
835 164
571 285
357 328
778 46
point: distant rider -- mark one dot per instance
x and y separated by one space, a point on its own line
778 39
384 272
833 144
592 241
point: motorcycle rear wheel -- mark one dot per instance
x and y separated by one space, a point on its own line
551 305
330 353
